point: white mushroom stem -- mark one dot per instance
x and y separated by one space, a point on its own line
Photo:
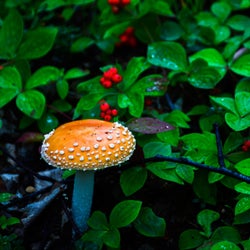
82 198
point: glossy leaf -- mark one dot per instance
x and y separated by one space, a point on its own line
43 76
243 188
75 73
221 9
242 101
135 67
148 125
185 172
47 123
124 213
6 95
149 224
11 34
243 167
31 103
132 180
205 218
225 245
242 65
236 122
190 239
112 238
152 149
81 44
62 87
226 233
37 43
168 55
227 103
10 78
98 221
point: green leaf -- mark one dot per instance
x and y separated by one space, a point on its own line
62 87
242 205
171 31
75 73
81 44
5 222
243 188
238 22
4 197
132 180
136 103
151 85
243 167
203 76
37 43
243 85
11 34
185 172
135 67
168 55
165 171
98 221
112 238
31 103
221 9
236 122
205 218
226 233
225 245
213 58
47 123
190 239
152 149
6 95
124 213
161 7
149 224
170 137
241 66
242 101
227 103
43 76
10 78
233 141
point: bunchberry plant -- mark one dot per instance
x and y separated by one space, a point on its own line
176 73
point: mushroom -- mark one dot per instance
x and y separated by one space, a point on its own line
86 146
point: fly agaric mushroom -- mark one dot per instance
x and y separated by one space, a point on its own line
86 146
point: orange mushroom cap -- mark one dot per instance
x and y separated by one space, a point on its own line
88 145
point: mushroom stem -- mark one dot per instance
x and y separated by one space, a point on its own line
82 198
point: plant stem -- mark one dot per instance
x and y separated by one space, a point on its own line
82 198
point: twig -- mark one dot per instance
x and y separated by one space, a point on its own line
219 147
182 160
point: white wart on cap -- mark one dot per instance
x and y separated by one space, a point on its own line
88 145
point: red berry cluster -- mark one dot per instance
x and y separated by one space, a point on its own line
107 113
116 5
110 77
246 145
127 38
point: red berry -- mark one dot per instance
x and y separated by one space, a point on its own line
102 80
104 107
102 114
115 9
114 112
129 31
132 41
116 78
247 143
113 2
125 2
108 112
107 84
244 148
124 38
110 72
107 118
